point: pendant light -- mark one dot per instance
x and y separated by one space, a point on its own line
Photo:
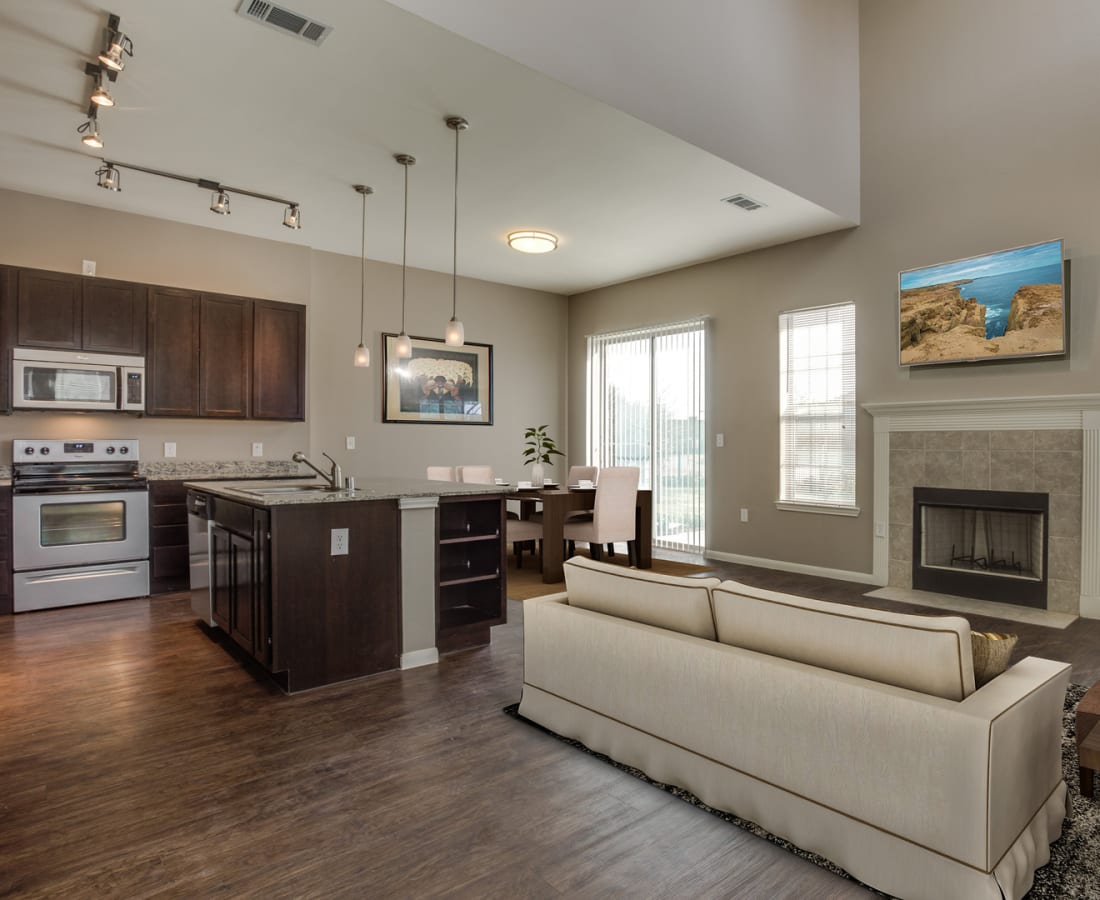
455 334
403 345
362 354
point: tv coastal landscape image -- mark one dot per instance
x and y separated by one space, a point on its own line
1005 304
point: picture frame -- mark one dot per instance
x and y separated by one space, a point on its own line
438 384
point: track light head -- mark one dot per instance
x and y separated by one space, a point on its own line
90 132
292 218
109 177
117 46
219 203
102 97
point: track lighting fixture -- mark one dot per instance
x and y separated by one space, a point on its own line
219 198
362 354
219 203
117 46
403 345
454 334
90 132
109 177
100 95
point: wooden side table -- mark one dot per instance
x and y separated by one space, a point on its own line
1088 737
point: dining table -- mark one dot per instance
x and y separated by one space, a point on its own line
559 502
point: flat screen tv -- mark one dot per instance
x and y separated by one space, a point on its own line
1005 305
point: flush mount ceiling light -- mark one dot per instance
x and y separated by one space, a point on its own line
219 198
116 46
532 241
362 354
403 345
109 177
454 334
219 203
90 132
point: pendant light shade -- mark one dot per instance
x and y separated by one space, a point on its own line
403 345
362 354
455 335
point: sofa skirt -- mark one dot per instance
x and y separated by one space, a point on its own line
886 861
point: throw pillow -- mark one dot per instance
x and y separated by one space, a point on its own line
991 653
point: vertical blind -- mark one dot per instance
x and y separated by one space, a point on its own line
817 405
647 408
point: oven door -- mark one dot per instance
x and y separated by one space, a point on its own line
55 385
79 528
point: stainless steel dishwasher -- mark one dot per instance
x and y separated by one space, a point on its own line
199 513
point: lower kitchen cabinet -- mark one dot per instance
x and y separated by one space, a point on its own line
239 582
168 549
6 605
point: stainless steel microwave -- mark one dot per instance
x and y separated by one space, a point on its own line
70 379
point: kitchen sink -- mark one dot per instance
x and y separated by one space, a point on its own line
286 489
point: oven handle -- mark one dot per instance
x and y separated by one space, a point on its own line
80 576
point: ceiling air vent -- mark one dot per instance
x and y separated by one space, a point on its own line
743 202
284 19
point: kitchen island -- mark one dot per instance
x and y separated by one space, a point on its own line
321 585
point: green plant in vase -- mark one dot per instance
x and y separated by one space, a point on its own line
539 448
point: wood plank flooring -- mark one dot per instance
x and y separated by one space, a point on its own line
139 757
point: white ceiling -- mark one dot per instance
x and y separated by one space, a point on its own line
210 94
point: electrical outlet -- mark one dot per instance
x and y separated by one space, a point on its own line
257 448
339 542
169 449
744 514
349 442
88 267
719 440
880 529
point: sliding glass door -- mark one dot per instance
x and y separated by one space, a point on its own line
646 408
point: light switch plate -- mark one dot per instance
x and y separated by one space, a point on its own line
744 514
169 449
88 267
349 442
719 440
257 448
339 542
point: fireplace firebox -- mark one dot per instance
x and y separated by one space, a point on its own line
989 545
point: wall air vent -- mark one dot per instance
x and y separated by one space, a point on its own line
743 202
284 19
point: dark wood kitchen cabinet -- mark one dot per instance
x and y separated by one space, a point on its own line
8 281
172 365
279 361
168 540
225 356
60 311
471 567
6 605
239 580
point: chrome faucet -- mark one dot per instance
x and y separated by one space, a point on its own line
335 478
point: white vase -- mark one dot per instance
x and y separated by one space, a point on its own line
538 474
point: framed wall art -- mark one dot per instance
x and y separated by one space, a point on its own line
438 384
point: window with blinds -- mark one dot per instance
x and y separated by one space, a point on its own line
817 409
646 408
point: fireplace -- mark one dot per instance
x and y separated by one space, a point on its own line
990 545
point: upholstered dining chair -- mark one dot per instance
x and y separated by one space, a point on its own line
523 533
475 474
577 474
612 514
441 473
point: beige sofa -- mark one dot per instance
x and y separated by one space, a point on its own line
853 733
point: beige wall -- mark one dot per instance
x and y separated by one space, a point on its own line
969 145
526 327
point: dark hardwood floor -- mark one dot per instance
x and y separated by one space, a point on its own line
138 757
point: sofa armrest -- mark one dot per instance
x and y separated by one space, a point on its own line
1024 709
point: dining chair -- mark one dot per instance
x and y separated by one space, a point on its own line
612 514
475 474
577 474
441 473
524 532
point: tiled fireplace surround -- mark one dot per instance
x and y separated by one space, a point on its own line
1043 444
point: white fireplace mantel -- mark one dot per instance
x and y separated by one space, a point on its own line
1066 411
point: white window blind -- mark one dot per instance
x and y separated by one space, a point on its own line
817 407
646 408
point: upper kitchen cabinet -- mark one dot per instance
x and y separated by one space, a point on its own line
225 356
279 361
60 311
172 365
8 282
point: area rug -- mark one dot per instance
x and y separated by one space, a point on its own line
1074 867
525 583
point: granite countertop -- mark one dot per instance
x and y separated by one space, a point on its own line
192 470
365 489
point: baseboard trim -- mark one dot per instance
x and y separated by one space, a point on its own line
429 656
802 569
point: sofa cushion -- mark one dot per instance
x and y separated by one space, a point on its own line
664 601
991 654
930 654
